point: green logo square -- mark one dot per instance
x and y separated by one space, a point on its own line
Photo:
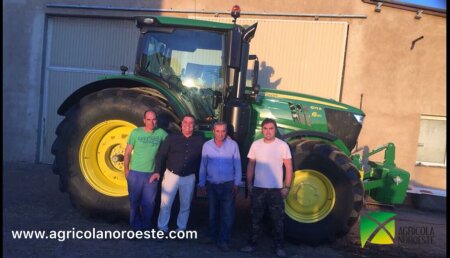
377 228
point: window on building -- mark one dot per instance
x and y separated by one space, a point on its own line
432 147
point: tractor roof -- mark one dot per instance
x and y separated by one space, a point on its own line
149 21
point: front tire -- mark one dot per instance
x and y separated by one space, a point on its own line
326 195
90 145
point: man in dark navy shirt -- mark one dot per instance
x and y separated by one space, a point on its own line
181 154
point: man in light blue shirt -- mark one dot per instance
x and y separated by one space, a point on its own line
220 175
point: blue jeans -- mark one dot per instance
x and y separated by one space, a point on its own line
221 207
142 196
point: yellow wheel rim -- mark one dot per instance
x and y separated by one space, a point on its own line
101 157
311 198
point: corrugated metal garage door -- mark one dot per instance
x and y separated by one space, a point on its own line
301 56
78 51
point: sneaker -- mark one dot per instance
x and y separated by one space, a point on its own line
224 247
280 252
248 249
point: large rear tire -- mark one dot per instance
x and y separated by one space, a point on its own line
90 145
326 195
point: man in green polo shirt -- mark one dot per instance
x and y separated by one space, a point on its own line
142 146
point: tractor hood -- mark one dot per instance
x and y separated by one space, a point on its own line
295 111
288 96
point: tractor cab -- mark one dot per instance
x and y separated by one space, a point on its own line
205 63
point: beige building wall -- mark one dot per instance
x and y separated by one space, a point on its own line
398 84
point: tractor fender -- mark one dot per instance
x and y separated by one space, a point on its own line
154 88
333 139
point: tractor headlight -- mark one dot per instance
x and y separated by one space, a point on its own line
359 118
345 125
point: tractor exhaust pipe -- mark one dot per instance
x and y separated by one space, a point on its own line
248 34
237 110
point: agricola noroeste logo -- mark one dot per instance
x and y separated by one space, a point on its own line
377 228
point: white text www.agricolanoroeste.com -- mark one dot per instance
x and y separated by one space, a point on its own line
63 235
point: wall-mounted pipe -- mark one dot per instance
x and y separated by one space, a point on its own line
171 10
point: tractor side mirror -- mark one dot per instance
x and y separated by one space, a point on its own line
255 85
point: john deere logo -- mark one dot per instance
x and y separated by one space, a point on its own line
377 228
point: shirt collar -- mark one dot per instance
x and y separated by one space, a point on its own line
224 141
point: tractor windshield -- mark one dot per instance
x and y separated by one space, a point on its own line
186 59
195 57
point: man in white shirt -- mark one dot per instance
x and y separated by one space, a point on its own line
265 165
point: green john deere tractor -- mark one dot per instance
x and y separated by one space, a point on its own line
200 67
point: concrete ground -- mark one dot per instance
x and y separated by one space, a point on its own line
32 201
